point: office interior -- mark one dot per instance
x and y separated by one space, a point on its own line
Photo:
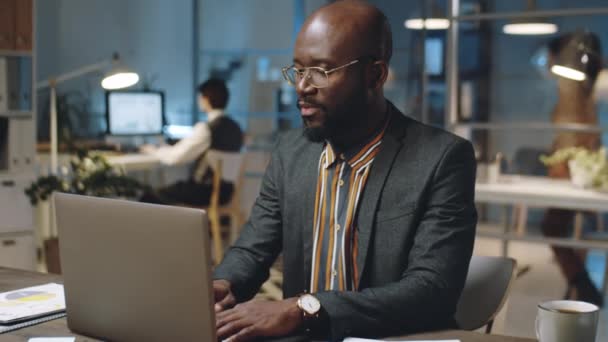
462 65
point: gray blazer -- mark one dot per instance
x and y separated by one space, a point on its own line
416 228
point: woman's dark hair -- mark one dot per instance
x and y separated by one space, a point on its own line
216 92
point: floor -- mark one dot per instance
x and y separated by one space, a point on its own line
543 282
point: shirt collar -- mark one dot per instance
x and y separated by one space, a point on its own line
214 114
352 154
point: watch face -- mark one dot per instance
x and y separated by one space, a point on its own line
310 304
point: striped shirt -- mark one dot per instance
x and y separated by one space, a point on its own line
340 183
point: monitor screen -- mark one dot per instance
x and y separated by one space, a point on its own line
134 113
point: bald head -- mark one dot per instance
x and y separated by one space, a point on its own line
350 43
353 26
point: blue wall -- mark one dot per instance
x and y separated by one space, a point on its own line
154 37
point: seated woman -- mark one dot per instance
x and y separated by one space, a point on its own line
209 141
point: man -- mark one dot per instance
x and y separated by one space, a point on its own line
209 141
372 211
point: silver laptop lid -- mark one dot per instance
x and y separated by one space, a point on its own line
135 272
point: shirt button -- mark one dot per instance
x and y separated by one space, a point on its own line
334 273
342 156
337 227
341 183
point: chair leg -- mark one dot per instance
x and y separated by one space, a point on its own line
216 236
489 327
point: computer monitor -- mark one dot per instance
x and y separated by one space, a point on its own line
135 112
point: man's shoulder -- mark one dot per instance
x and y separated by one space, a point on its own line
294 136
292 145
427 136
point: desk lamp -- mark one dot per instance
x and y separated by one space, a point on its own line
117 76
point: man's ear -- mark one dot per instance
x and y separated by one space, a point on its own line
379 72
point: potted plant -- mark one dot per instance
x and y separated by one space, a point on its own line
88 174
587 168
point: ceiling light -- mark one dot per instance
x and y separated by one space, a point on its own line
529 28
429 24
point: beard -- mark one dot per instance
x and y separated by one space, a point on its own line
338 122
323 132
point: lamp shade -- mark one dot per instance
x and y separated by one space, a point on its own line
578 57
568 72
119 80
119 76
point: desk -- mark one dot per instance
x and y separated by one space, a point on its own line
127 162
130 162
540 192
14 279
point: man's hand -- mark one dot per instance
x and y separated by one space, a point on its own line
259 319
224 299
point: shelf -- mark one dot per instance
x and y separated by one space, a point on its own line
17 114
539 126
15 53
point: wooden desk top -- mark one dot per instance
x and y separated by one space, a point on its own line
15 279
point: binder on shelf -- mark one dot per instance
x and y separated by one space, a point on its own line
24 86
12 79
3 85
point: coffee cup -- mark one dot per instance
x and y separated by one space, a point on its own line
566 321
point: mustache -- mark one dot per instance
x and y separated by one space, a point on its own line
309 103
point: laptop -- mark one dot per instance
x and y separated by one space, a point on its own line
134 271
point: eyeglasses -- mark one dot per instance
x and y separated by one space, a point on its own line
317 77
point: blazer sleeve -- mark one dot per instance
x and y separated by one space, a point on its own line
428 291
246 265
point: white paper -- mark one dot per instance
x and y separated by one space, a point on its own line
31 301
356 339
52 339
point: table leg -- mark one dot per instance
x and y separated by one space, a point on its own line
578 225
505 230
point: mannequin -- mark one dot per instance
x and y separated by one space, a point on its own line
575 104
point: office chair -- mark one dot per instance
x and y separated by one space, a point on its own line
485 292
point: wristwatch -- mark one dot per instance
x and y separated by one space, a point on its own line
309 305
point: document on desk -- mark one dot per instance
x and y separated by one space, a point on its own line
356 339
31 302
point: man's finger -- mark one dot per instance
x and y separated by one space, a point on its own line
233 328
226 303
225 319
245 334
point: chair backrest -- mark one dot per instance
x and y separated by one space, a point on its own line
231 163
526 161
485 292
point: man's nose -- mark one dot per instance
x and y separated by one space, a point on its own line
303 86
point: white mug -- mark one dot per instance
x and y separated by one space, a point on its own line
566 321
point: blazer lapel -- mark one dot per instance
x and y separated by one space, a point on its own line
309 175
391 144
